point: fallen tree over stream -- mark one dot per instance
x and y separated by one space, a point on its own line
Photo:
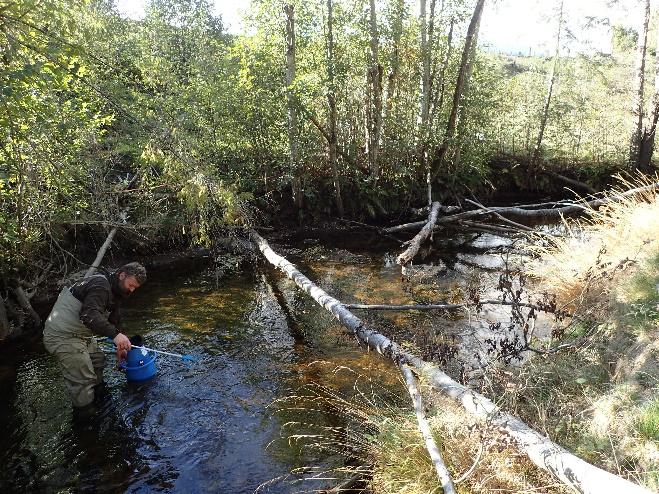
565 466
541 210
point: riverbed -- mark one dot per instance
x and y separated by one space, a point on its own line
224 423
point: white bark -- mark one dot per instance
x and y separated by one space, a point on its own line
571 470
425 232
560 210
101 252
443 474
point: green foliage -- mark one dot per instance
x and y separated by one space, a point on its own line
647 423
199 117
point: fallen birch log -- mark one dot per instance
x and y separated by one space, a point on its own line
104 247
415 244
525 211
571 470
435 456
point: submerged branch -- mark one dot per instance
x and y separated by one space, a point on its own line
455 306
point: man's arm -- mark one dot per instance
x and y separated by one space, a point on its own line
92 313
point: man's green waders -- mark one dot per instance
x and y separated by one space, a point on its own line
76 350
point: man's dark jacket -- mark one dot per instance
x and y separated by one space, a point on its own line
101 300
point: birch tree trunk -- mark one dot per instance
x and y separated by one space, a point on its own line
375 104
425 232
331 101
443 474
394 61
647 141
425 88
550 88
566 467
637 106
101 252
459 85
292 111
462 114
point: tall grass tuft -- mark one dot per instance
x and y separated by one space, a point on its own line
379 449
588 267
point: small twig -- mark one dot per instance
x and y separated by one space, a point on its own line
471 469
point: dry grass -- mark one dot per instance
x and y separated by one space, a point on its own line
587 267
378 440
600 400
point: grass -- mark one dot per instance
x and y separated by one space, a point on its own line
590 267
647 422
600 400
376 434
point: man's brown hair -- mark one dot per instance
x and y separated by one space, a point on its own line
134 269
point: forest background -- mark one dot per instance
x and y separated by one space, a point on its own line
319 109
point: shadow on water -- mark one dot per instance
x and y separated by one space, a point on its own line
211 426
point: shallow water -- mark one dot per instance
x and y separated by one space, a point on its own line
212 426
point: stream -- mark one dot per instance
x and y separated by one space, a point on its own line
218 425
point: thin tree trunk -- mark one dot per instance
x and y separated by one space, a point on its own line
395 62
550 88
292 110
101 252
462 114
375 80
459 86
443 474
647 141
425 89
331 101
571 470
637 106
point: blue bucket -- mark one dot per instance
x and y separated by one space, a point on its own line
140 365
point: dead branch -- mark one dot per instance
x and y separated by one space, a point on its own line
104 247
528 211
425 232
435 456
504 219
24 302
455 306
571 470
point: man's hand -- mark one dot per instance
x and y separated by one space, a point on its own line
123 346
